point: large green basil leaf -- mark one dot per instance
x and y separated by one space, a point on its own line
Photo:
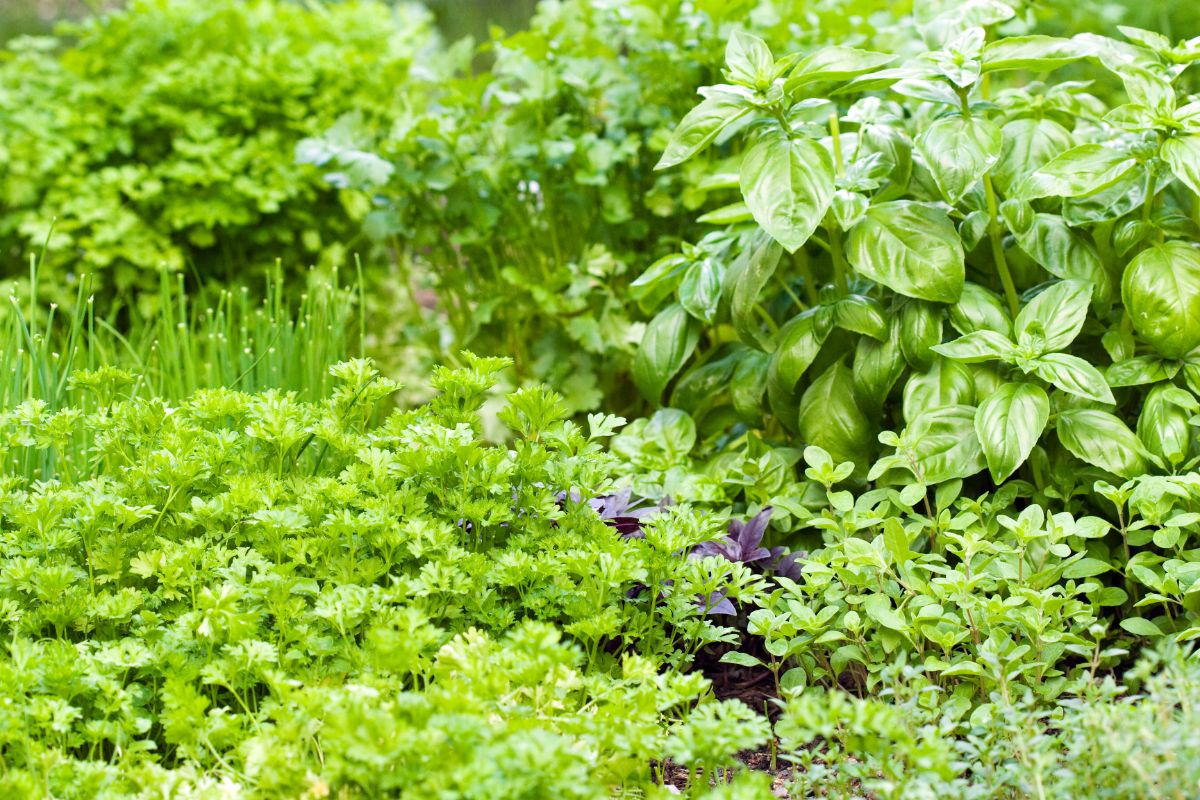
877 367
920 331
945 383
1059 311
861 314
1163 424
1028 145
1063 252
835 64
1182 155
1074 376
798 343
668 342
700 289
958 151
980 309
748 276
749 383
1102 440
1079 171
944 444
749 59
832 418
1034 53
911 248
788 185
1008 424
977 346
702 125
1161 290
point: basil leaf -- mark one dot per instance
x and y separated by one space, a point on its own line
702 125
1101 440
1161 290
1028 145
700 289
911 248
748 277
980 309
1074 376
958 151
862 314
977 346
1008 424
799 342
668 342
944 444
1034 53
1182 155
1163 424
1079 171
835 64
1059 311
788 185
945 383
831 418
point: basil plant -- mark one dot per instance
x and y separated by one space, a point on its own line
973 257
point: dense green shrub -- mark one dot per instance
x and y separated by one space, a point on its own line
524 196
164 133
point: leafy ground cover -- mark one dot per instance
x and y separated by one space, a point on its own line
850 452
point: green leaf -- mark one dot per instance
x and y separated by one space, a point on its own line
1009 423
1063 252
1079 171
1086 568
1101 440
668 342
1074 376
1163 424
740 659
877 367
749 382
1059 312
976 347
1140 371
958 151
911 248
832 418
980 309
1034 53
700 289
748 276
1182 155
835 64
788 185
945 383
862 314
702 125
1140 626
1028 145
879 608
920 329
944 444
749 59
1161 290
799 342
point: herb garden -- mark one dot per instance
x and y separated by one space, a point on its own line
704 398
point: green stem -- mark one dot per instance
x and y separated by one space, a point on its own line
1148 204
994 234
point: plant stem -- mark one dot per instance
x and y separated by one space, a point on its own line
994 234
